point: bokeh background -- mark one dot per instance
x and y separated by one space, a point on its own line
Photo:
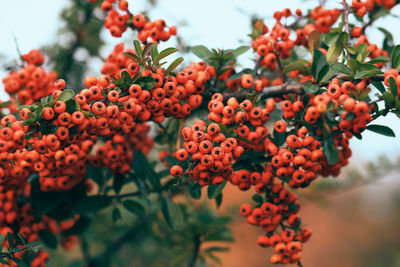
354 217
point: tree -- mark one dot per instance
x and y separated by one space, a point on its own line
68 154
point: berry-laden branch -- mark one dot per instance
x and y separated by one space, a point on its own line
55 144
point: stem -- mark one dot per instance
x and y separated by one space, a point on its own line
346 17
299 263
196 249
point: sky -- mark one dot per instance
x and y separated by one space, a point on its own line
213 23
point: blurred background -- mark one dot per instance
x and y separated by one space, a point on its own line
353 217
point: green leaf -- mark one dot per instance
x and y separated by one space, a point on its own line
310 88
10 239
336 48
21 238
66 95
118 182
80 226
324 75
361 51
92 204
381 129
147 49
133 206
378 85
48 238
300 65
195 190
393 86
146 82
132 56
2 238
378 60
331 153
154 52
396 57
279 138
138 48
319 61
172 213
173 65
366 70
257 198
353 65
202 52
214 190
34 246
240 50
164 53
337 67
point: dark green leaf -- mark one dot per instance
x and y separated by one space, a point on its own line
133 206
396 57
367 70
381 129
378 60
319 61
214 190
337 67
172 213
138 48
195 190
2 238
154 52
331 153
258 199
146 82
279 138
393 86
118 182
48 238
10 239
300 65
66 95
378 85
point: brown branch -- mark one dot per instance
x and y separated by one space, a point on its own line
296 88
346 17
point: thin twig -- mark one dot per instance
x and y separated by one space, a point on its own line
346 17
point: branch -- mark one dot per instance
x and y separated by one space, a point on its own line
295 88
346 17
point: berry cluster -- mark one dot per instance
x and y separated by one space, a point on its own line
211 152
32 82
